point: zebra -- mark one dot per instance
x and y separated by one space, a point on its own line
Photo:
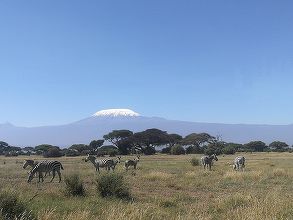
115 163
32 164
207 160
107 163
46 166
133 163
239 163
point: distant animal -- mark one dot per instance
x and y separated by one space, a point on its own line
100 163
133 163
46 166
115 162
208 161
239 163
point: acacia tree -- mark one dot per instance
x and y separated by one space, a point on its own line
147 140
278 146
95 144
197 141
257 146
174 139
120 139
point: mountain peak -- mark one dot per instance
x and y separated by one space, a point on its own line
116 113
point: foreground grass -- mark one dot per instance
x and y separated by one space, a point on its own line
165 187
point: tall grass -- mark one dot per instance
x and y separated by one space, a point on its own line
165 187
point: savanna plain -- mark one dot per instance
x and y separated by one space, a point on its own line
163 187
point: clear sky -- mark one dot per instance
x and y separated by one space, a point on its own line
197 60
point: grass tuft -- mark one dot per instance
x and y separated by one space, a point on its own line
74 185
113 185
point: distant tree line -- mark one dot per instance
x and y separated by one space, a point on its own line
147 142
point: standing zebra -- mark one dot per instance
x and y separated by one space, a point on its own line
207 160
115 163
46 166
239 163
133 163
107 163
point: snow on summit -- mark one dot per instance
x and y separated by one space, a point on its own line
116 113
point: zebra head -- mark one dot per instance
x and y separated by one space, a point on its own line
89 157
27 163
137 158
30 176
214 156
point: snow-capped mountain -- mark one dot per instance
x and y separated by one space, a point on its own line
116 113
102 122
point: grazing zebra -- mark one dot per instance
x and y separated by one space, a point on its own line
107 163
32 164
46 166
133 163
239 163
207 160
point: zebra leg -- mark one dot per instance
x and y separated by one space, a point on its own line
59 174
53 176
40 177
210 166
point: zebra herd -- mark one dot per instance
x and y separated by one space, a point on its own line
207 161
38 168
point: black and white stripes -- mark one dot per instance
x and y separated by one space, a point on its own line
207 160
239 163
102 163
46 166
133 163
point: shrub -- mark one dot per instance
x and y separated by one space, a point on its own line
113 185
53 152
113 152
194 150
177 149
228 150
149 150
74 186
194 161
166 150
12 208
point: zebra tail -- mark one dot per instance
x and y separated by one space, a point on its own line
61 166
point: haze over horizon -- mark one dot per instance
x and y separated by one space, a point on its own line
194 61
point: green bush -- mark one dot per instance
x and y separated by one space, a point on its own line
194 150
194 161
113 185
166 150
12 208
74 185
228 150
177 149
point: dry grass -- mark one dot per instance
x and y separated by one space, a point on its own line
165 187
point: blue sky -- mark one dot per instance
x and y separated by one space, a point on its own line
209 61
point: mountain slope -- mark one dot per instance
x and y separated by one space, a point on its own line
96 126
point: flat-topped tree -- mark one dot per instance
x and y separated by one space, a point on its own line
257 146
147 140
198 140
95 144
120 139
